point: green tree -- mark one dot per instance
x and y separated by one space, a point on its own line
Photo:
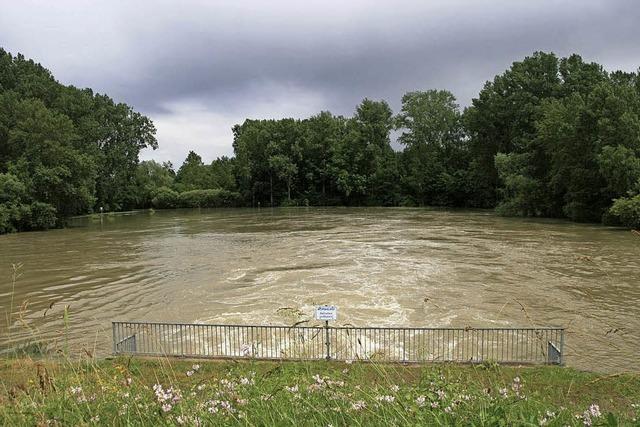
193 174
361 154
72 149
284 169
435 154
222 171
151 176
53 171
503 120
322 135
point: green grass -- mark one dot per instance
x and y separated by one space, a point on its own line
120 392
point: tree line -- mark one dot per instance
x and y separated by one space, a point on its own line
549 137
63 150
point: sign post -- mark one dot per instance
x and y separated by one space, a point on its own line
326 313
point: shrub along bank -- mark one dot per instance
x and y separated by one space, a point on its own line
166 198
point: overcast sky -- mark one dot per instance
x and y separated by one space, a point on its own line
198 67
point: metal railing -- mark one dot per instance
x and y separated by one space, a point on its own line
472 345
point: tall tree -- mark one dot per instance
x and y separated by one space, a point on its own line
435 154
502 120
193 174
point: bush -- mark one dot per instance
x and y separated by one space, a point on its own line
213 198
165 198
22 217
6 220
11 188
43 216
627 210
286 203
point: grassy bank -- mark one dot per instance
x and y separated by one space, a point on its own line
169 392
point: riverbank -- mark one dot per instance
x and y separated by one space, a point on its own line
125 391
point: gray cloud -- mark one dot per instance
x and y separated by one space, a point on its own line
196 68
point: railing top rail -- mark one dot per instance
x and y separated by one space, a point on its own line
428 328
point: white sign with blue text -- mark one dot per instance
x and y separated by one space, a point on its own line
326 312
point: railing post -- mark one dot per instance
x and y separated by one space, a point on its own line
113 329
562 347
327 340
404 345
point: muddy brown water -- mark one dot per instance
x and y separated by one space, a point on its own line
380 266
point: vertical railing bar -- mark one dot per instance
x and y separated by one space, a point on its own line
174 340
492 356
562 361
184 335
199 347
514 344
113 335
187 344
182 347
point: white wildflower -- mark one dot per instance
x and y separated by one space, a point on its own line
247 381
359 405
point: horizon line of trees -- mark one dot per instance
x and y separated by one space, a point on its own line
549 137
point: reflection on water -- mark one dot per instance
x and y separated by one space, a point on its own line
397 267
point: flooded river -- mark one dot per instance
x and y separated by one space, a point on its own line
381 267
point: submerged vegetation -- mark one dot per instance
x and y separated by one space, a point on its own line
170 392
552 137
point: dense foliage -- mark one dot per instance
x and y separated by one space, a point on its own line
552 137
548 137
63 150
